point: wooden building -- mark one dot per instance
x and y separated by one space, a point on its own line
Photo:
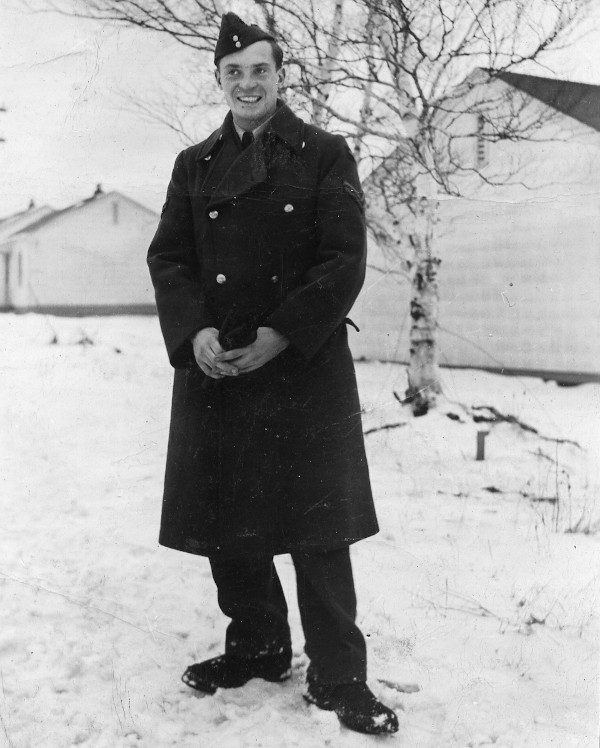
520 263
89 258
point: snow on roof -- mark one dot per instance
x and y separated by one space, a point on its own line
16 222
578 100
36 225
15 217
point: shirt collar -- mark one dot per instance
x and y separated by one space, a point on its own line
283 123
257 130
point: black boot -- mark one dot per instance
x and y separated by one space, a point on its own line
355 705
229 671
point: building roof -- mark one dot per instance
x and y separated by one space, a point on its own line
578 100
97 196
24 214
13 224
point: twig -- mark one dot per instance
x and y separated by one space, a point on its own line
497 417
476 609
385 427
86 605
4 727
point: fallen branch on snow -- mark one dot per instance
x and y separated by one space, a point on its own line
498 417
400 687
385 427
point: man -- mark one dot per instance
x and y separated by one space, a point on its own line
258 258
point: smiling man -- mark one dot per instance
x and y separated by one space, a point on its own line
258 257
250 80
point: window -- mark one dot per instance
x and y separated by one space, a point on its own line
115 212
20 268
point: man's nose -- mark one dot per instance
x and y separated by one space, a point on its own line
246 82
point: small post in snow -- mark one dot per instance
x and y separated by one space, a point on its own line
481 445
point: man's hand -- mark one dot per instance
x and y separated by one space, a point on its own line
206 347
268 344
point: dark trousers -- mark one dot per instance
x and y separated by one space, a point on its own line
250 594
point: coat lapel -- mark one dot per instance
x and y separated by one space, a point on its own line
233 173
246 170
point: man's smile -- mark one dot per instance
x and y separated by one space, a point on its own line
249 99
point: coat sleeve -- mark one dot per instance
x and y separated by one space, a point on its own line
312 311
174 271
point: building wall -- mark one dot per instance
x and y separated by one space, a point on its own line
14 255
519 289
4 294
93 256
520 283
520 272
561 158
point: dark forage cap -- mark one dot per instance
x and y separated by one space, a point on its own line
235 35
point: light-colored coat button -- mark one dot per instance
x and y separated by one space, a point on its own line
289 208
221 278
274 278
208 158
213 214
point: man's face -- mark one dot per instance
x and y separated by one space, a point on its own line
250 80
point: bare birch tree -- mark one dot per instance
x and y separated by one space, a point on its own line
394 76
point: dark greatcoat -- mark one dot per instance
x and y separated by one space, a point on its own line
271 461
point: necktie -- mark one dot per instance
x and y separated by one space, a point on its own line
247 138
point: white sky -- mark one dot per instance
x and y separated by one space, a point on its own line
66 129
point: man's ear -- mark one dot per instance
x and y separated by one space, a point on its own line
281 76
218 77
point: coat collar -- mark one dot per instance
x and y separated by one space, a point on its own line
289 128
250 167
208 146
284 124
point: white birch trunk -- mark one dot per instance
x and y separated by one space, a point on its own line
365 110
423 369
323 91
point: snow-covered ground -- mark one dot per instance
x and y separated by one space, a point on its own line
478 597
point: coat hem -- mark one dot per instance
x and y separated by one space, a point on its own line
196 548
